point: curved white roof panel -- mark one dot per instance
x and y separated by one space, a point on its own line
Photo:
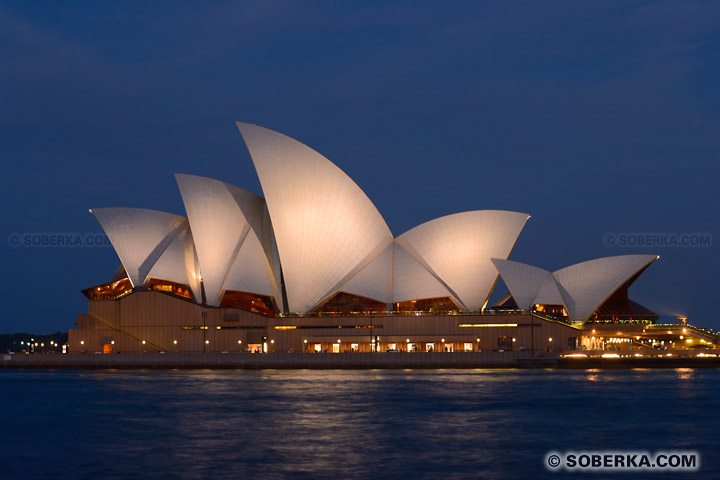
251 271
457 249
375 280
412 281
139 236
179 264
220 218
524 281
325 226
587 285
550 294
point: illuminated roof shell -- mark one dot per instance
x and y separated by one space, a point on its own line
586 286
524 281
221 216
326 228
457 250
139 236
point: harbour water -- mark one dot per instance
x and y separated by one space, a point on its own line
348 423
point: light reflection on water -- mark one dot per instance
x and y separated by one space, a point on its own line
344 423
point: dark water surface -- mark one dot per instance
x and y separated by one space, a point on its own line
340 424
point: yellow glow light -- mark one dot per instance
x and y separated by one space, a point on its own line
486 325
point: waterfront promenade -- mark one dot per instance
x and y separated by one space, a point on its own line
393 360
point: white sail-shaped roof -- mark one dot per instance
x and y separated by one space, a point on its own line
587 285
179 264
550 294
325 227
251 271
412 281
457 249
524 281
375 280
220 218
139 236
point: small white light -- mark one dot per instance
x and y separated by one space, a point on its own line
239 342
175 342
207 342
143 342
550 339
82 342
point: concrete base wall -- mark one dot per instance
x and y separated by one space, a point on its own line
417 360
273 360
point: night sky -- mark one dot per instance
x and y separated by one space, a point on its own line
597 118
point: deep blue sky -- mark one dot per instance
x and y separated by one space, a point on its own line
594 117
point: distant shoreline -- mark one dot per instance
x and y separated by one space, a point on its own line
419 360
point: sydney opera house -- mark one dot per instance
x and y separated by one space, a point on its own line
313 267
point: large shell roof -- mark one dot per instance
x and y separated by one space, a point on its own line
316 233
582 288
140 236
457 249
325 227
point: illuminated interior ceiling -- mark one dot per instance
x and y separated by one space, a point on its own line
139 236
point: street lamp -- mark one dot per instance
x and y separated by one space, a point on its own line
204 317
